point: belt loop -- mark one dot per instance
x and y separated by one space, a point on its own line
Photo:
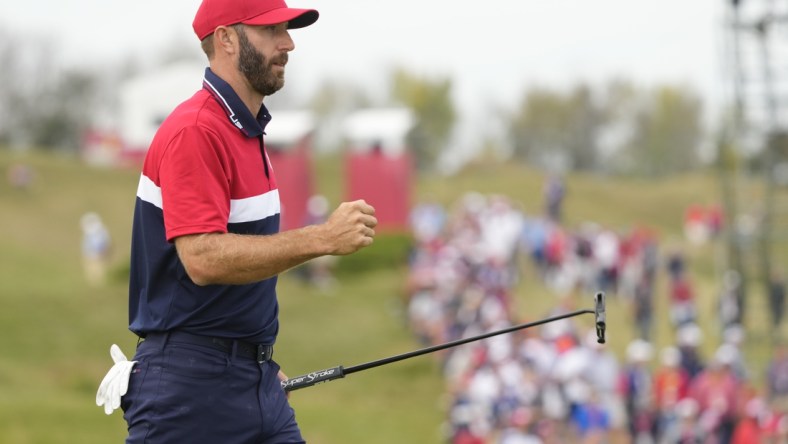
233 350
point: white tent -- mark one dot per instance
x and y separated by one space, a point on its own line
386 128
147 100
288 128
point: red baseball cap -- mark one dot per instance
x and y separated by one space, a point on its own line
215 13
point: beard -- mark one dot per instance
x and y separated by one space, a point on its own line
257 69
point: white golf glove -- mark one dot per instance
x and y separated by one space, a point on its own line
116 382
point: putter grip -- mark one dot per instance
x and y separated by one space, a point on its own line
313 378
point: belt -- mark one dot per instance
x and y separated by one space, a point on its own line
259 352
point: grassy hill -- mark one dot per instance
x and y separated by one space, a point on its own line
57 330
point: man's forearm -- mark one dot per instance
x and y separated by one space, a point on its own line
227 258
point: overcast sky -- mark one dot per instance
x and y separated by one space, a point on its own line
493 50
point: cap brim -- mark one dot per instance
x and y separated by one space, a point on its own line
295 18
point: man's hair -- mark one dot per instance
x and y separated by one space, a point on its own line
207 46
207 42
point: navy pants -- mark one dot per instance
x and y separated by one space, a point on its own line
186 393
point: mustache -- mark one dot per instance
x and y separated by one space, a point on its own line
281 59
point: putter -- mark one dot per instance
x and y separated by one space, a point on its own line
338 372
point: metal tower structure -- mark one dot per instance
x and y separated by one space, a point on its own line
754 152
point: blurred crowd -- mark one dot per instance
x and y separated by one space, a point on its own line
555 383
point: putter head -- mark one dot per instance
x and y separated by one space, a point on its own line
599 311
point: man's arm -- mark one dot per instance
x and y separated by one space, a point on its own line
227 258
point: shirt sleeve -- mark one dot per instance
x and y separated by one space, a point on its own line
194 175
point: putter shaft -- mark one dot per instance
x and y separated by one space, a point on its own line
338 372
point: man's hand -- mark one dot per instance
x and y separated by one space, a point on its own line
350 227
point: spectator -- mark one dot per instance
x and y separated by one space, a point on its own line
748 429
501 225
636 388
554 191
520 428
689 338
777 375
733 337
676 263
643 308
555 252
731 299
776 299
696 228
427 221
716 389
534 239
682 300
774 424
20 176
606 253
465 419
588 415
630 262
714 219
602 372
96 248
584 257
671 383
687 429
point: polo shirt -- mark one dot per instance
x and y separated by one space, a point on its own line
206 172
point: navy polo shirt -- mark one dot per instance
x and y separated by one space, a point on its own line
206 172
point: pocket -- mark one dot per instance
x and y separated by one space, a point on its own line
136 380
193 362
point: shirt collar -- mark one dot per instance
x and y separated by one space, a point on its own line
237 112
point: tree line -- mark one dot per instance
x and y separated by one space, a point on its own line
614 128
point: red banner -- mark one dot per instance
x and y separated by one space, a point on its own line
294 178
383 181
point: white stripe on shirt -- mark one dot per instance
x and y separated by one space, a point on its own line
149 192
254 208
249 209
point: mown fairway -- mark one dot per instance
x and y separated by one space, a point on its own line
54 349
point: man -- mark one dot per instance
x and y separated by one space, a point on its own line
206 249
776 299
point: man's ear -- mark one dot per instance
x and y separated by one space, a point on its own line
225 39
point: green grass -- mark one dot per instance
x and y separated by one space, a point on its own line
57 330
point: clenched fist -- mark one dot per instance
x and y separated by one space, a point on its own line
350 227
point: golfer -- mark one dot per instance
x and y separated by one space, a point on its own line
206 246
